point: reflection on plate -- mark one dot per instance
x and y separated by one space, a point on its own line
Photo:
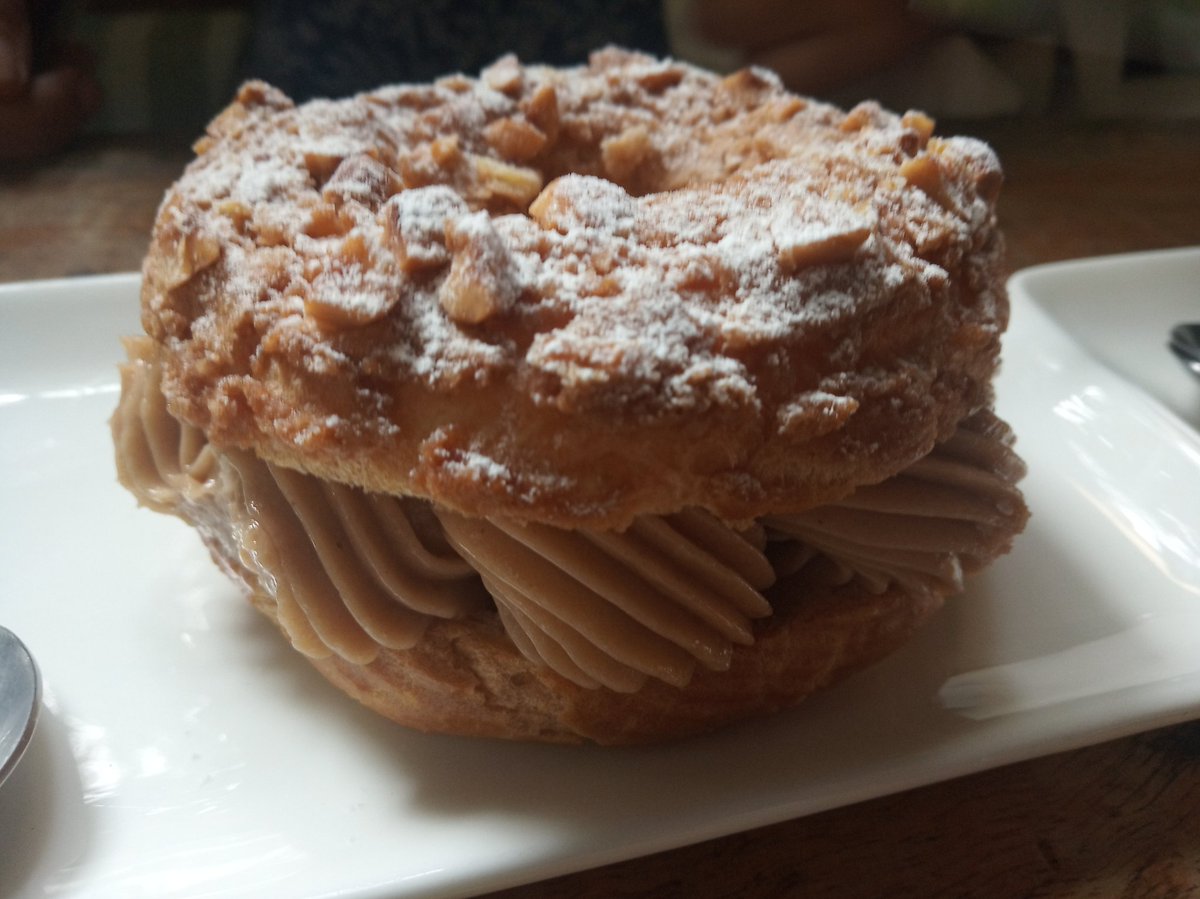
183 749
1120 309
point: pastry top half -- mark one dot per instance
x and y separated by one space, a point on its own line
572 297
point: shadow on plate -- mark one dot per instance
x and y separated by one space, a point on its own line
46 828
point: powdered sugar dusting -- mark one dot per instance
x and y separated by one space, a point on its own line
634 235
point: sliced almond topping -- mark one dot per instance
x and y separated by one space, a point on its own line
922 124
515 139
326 220
482 282
814 414
658 78
258 93
415 223
333 316
343 293
824 247
857 119
321 164
783 110
541 110
445 151
924 173
335 312
363 179
818 230
750 78
236 211
504 75
584 202
628 152
229 121
353 250
497 180
194 252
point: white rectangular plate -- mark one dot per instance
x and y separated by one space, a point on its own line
185 750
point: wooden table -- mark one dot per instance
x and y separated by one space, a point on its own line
1117 819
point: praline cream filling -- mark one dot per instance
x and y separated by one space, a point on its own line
351 572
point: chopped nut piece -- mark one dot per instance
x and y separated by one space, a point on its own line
236 211
230 120
659 77
234 117
584 201
326 220
626 153
415 222
322 164
544 208
751 78
859 118
515 139
814 414
922 124
259 93
363 179
782 110
335 316
353 250
345 290
496 180
446 151
336 302
482 282
541 110
822 247
819 229
458 83
504 75
923 172
194 252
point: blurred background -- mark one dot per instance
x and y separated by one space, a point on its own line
167 66
100 100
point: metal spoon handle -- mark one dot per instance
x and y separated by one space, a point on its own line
1184 342
20 700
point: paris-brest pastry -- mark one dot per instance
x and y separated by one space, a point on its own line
610 403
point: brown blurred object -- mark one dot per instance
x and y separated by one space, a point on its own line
1117 819
115 6
814 47
87 211
48 88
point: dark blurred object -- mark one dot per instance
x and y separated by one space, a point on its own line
311 49
1185 343
44 31
48 88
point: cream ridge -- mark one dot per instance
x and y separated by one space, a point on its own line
352 572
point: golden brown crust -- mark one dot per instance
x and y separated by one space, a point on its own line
752 303
572 298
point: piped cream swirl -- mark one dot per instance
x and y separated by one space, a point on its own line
947 514
350 572
609 609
